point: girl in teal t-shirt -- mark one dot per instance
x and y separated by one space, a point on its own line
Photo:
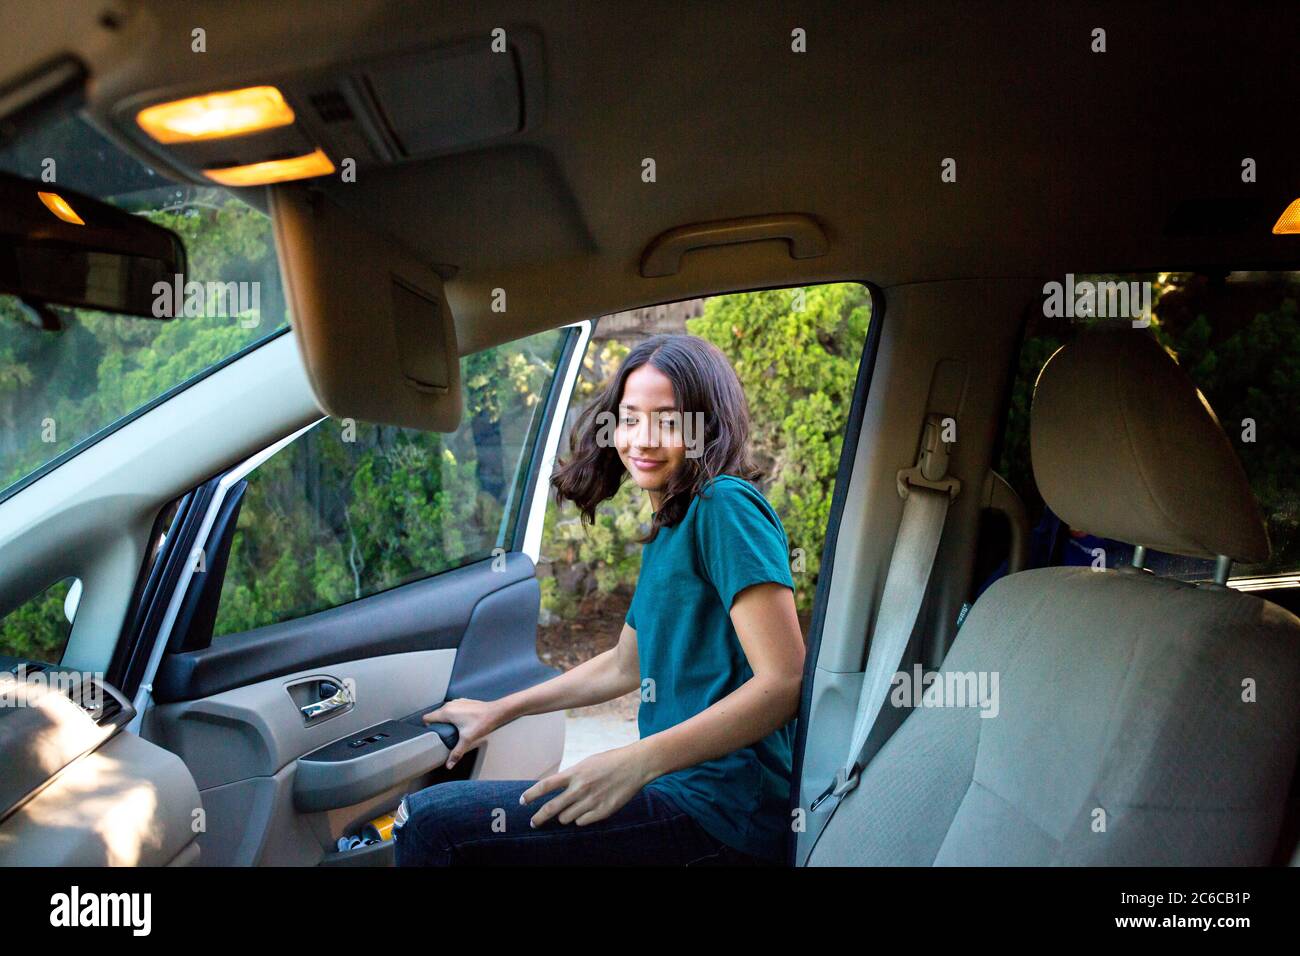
711 640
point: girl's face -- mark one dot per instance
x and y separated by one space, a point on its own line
649 433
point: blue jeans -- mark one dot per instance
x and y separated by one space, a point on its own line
481 822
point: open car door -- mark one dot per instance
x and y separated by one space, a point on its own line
300 613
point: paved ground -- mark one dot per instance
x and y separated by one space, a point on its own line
593 730
566 643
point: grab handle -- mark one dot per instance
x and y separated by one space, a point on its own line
663 257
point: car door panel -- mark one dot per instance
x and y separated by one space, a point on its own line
280 786
221 743
244 746
429 614
401 653
257 730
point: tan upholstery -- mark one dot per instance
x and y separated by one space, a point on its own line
1125 447
1122 736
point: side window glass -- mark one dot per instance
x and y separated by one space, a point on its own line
351 509
38 629
1237 335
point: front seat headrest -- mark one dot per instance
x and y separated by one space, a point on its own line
1124 446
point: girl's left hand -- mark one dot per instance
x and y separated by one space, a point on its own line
593 789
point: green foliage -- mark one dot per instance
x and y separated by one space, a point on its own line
38 629
796 353
348 511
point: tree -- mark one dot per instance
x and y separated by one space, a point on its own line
37 630
344 513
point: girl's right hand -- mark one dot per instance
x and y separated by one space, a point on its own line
473 719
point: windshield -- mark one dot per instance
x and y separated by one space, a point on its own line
61 389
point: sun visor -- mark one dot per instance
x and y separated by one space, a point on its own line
372 323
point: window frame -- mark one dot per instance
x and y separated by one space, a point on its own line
532 499
825 581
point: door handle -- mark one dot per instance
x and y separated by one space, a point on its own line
339 699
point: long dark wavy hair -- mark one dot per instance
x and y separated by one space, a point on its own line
703 381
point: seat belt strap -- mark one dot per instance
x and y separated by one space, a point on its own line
928 492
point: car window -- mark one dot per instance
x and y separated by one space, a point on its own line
58 389
1237 335
351 509
38 629
795 352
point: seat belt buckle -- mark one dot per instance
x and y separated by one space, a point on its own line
845 780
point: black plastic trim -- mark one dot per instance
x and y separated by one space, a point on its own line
146 584
135 650
198 611
359 744
498 654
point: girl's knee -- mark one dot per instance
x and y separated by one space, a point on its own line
419 825
428 810
441 816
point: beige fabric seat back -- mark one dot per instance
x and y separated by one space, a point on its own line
1137 720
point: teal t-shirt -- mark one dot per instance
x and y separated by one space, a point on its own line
691 573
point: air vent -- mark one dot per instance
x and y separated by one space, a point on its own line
101 710
95 698
99 701
331 107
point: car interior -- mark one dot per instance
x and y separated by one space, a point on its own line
444 184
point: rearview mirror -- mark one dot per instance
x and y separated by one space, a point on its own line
58 247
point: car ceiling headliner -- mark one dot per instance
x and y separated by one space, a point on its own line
1067 160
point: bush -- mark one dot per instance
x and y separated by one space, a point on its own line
796 352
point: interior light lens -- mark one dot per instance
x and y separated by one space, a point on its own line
216 115
59 206
315 163
1289 222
